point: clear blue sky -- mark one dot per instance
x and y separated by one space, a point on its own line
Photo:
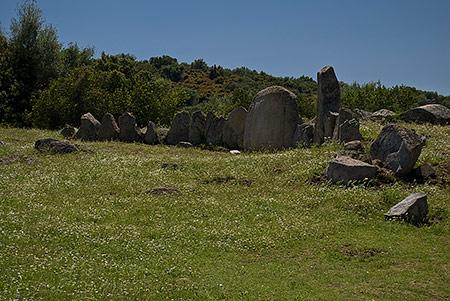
394 41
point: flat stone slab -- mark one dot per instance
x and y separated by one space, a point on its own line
345 169
413 209
54 146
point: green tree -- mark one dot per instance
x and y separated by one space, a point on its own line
35 57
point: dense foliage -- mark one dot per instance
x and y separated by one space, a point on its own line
47 85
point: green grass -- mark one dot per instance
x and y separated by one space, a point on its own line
81 226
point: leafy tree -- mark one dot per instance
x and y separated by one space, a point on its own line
35 57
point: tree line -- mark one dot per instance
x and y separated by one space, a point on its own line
46 84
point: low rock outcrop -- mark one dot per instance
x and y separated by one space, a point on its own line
54 146
413 209
432 113
345 169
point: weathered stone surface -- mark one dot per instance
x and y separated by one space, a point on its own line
54 146
328 104
344 115
362 115
179 129
398 148
345 169
214 129
89 127
109 130
432 113
197 128
348 131
234 127
185 144
425 172
413 209
355 150
381 114
162 132
151 137
68 132
129 131
272 120
235 152
304 134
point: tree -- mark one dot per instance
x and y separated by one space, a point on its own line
35 57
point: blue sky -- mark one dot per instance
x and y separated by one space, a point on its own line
394 41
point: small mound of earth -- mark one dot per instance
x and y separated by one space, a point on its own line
5 160
163 191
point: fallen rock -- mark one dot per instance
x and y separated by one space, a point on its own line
55 146
234 127
413 209
197 128
89 127
328 104
179 129
425 172
68 132
235 152
214 129
185 144
355 150
272 120
129 131
398 148
431 113
382 115
363 115
345 169
109 130
151 137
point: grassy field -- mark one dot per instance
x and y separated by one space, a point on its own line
250 227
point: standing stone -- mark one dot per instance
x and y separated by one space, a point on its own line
432 113
233 130
179 129
68 132
304 134
214 129
345 169
347 127
272 120
398 148
109 130
151 137
89 127
413 209
129 131
197 128
328 104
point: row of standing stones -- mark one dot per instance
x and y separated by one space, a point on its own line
273 123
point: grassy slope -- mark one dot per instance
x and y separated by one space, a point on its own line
81 226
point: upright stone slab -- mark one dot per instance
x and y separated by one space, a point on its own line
398 148
109 130
197 128
179 129
328 104
272 120
233 130
348 131
214 129
413 209
151 137
304 134
432 113
89 127
129 131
